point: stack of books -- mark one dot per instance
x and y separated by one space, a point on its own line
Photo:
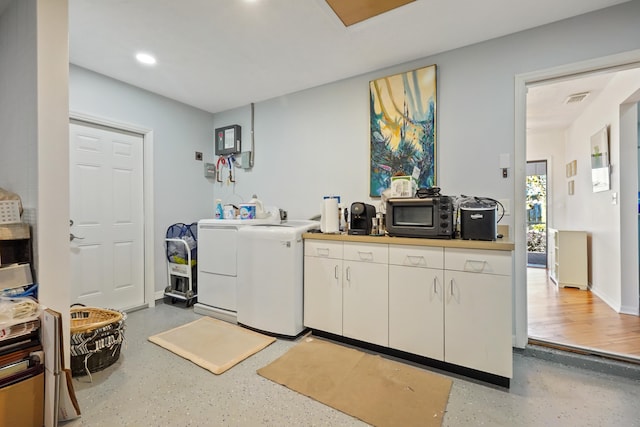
21 364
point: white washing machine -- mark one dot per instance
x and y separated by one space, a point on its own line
270 276
217 264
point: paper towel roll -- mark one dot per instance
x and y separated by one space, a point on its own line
329 221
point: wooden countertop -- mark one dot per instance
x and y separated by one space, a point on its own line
497 245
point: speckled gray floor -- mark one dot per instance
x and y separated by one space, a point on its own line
150 386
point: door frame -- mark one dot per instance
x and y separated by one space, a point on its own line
147 188
620 61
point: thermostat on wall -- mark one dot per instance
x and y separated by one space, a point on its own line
227 140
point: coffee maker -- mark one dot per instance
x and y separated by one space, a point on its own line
362 215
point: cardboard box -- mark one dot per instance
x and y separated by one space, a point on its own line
22 404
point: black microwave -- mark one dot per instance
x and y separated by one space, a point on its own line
429 217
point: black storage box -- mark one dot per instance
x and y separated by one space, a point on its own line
478 220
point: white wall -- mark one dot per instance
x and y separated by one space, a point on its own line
52 219
33 152
595 212
182 193
34 140
316 141
18 102
630 276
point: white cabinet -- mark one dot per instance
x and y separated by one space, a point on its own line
323 285
477 312
416 303
445 303
346 289
568 265
365 307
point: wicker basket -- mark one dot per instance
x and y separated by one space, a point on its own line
87 319
96 338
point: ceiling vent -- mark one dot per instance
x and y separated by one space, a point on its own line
576 98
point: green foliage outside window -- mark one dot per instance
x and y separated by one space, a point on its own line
536 213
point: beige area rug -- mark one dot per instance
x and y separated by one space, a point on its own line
378 391
212 344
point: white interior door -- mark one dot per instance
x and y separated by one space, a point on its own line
107 218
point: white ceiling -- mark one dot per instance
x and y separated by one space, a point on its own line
221 54
547 108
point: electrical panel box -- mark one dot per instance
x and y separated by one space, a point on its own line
227 140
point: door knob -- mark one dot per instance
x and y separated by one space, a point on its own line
72 237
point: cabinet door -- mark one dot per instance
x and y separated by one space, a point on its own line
571 259
323 294
366 302
478 321
217 249
416 310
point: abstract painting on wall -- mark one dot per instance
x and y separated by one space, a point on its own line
403 128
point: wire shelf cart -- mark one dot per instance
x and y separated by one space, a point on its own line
181 243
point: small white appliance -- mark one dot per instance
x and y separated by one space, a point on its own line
270 275
218 263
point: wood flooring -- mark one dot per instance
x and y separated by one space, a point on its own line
577 319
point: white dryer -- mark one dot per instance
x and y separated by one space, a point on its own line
270 276
217 264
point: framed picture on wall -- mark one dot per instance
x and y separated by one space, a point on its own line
403 128
600 160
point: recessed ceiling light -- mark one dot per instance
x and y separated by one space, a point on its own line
146 58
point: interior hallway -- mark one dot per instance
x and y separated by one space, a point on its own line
149 385
578 318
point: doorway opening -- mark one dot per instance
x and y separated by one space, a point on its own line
536 199
564 317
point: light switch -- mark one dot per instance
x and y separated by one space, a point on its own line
505 164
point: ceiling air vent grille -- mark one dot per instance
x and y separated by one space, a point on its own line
576 97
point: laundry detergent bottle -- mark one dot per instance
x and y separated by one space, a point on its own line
218 209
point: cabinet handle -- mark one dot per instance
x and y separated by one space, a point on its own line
348 274
476 265
451 286
72 237
323 252
366 256
335 272
435 285
416 260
